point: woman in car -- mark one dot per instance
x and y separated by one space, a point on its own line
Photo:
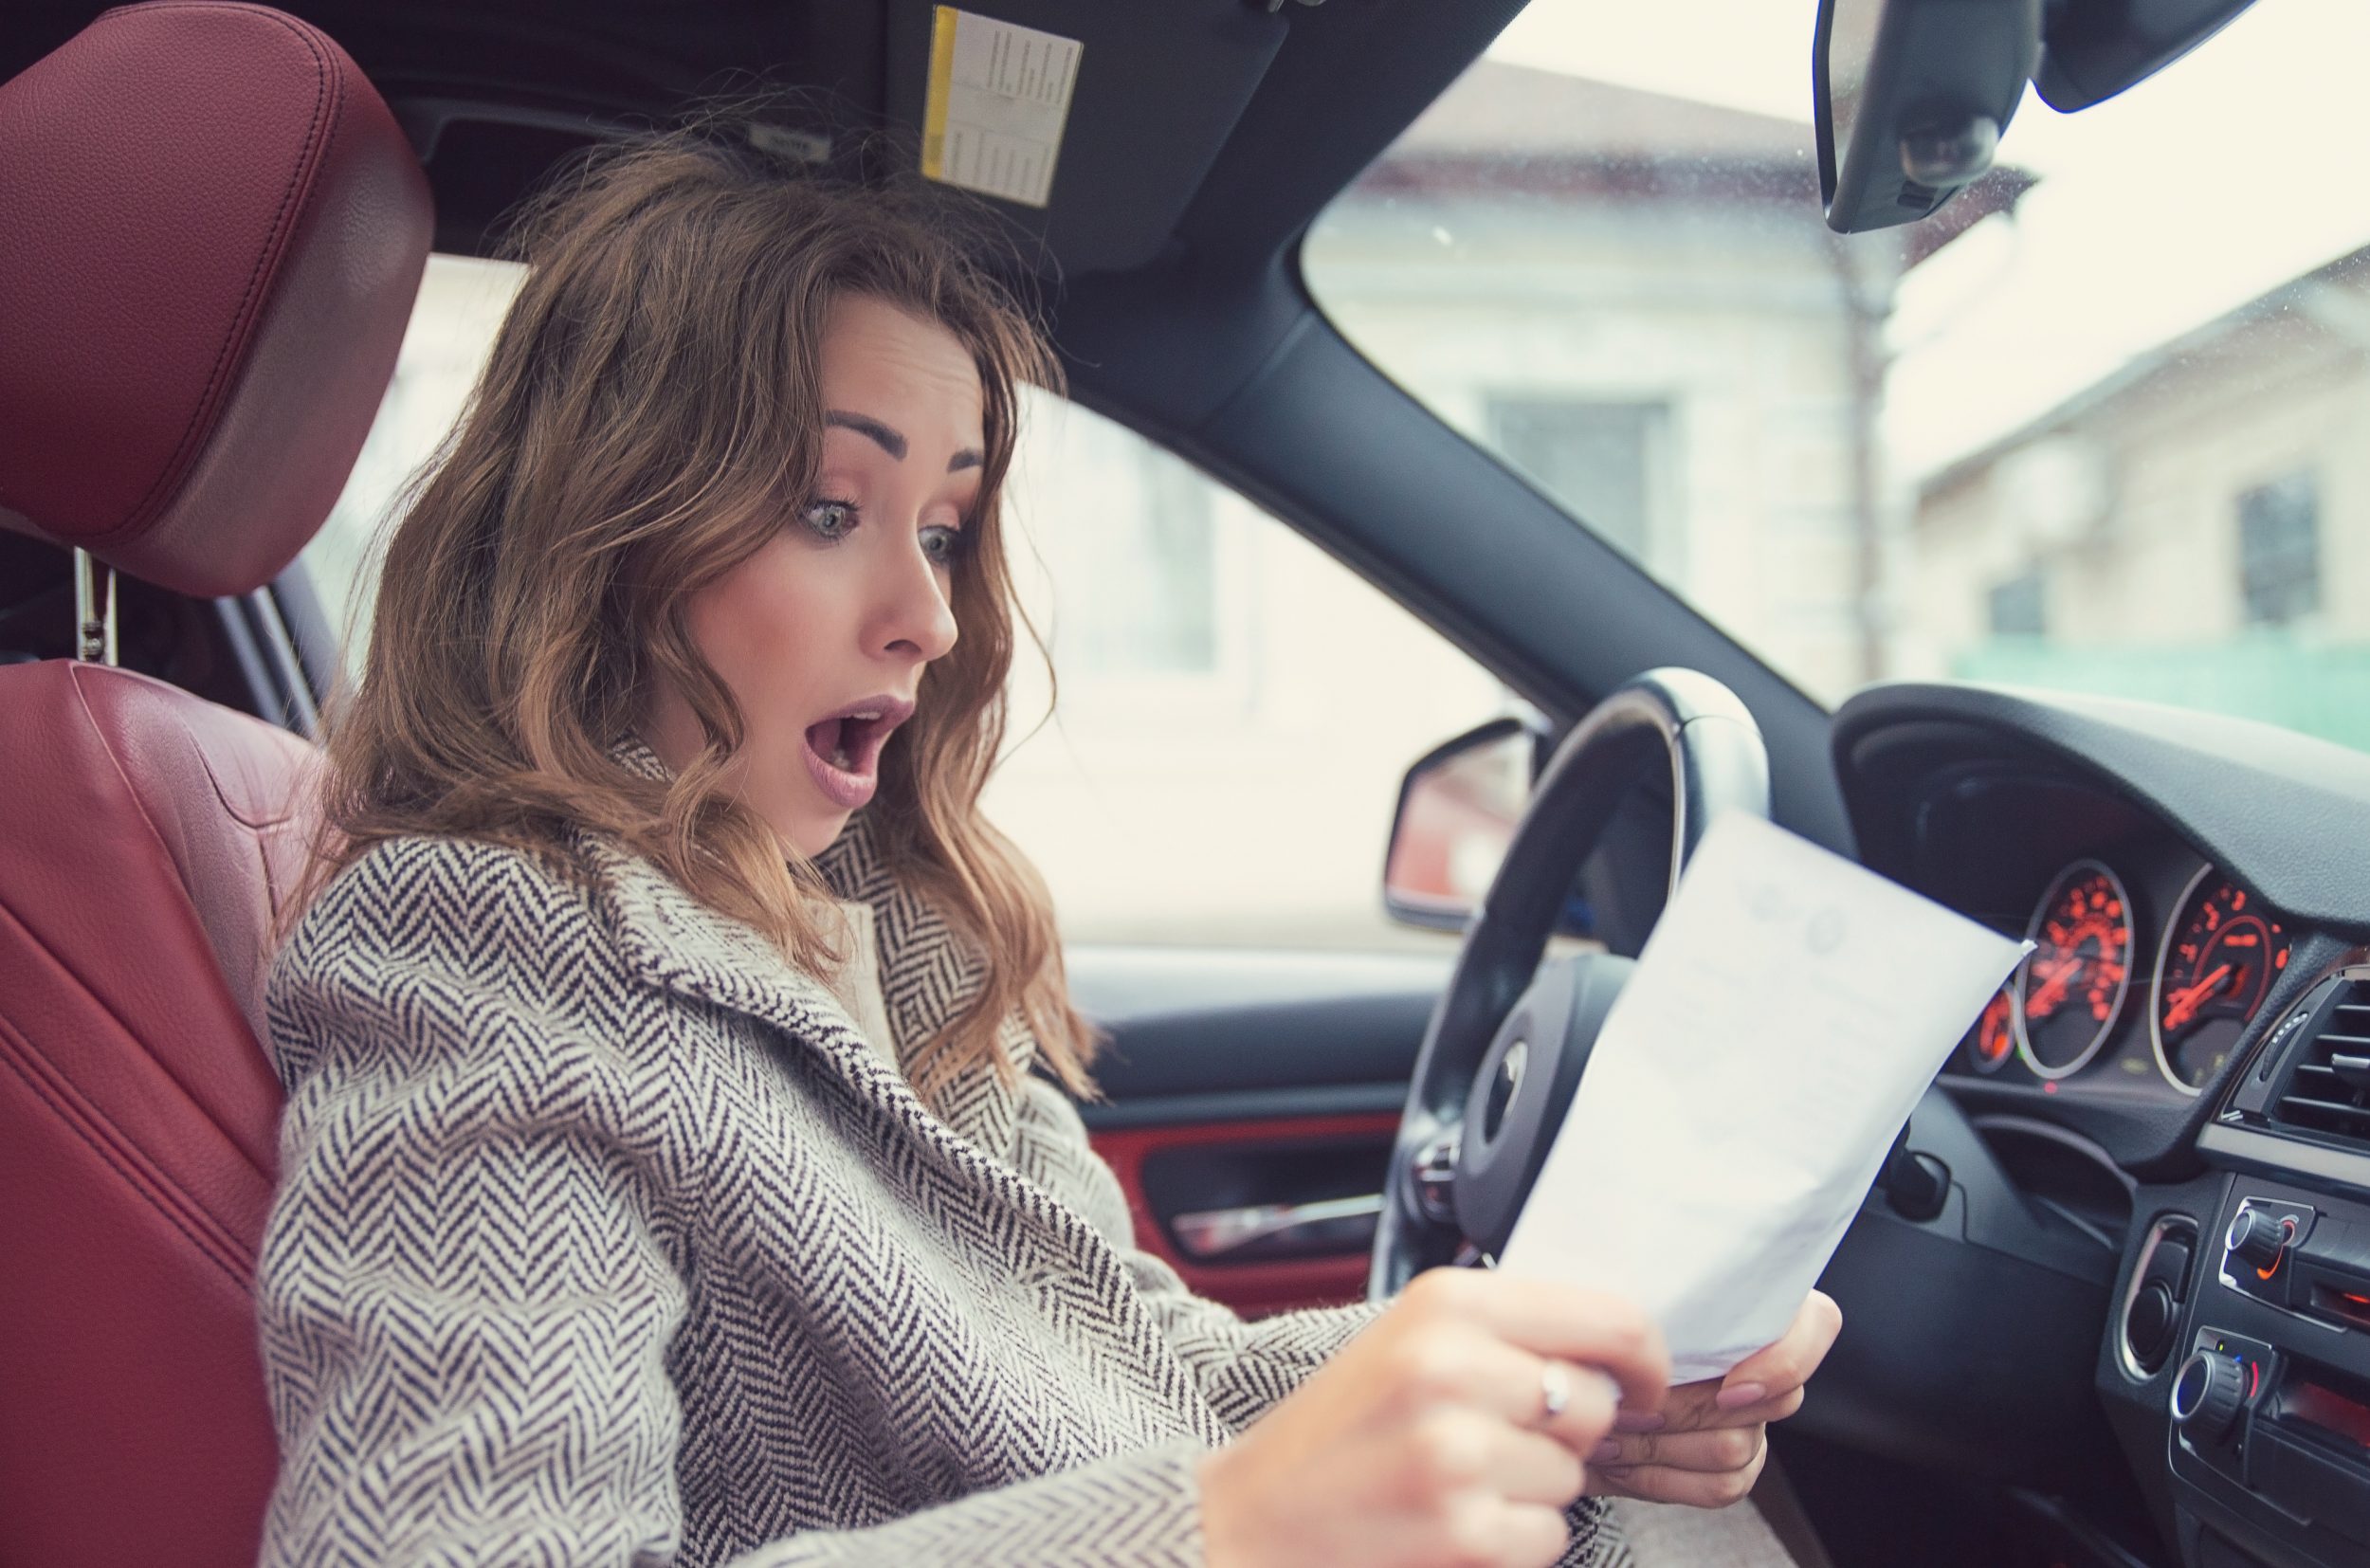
678 1162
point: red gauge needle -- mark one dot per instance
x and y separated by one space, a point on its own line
2053 978
2183 1003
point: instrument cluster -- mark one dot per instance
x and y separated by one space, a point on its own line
2172 977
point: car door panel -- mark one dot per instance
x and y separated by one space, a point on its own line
1249 1102
1249 1174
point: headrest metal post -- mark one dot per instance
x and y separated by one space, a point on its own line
94 621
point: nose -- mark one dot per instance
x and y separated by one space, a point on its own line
917 619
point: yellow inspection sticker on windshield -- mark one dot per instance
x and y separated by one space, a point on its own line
999 96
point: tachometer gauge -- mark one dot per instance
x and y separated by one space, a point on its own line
2070 989
2221 954
1994 1038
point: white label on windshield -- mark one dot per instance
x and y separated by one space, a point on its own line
999 97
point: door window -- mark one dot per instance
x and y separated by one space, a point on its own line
1237 707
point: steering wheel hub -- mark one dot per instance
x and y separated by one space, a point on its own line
1503 1083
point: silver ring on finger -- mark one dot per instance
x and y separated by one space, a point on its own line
1555 1390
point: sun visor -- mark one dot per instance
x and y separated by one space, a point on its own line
1090 126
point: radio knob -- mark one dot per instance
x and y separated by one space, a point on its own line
2208 1393
2261 1239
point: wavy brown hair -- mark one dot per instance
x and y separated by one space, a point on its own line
650 414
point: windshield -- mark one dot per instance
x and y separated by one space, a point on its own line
2102 424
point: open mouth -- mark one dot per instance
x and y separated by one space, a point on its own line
843 751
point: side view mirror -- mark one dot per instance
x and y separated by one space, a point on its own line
1458 809
1911 99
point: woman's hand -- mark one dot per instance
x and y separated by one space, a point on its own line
1426 1440
1705 1446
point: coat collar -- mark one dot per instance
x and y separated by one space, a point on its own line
929 973
669 940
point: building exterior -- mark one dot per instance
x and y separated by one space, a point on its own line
2194 528
1635 301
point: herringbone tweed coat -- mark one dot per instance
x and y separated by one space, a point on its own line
605 1237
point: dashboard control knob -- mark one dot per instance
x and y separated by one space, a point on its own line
2208 1392
2260 1238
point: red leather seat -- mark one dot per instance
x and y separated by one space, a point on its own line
210 234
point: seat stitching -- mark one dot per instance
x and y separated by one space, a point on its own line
144 1184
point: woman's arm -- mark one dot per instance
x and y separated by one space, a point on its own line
462 1298
1244 1368
471 1274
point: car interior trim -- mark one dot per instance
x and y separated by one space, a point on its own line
1176 1111
2272 1155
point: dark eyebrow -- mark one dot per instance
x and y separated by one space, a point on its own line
893 443
886 439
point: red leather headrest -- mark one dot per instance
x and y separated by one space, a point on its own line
211 231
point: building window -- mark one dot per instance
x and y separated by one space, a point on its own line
1154 609
1595 458
1132 534
2019 607
2279 551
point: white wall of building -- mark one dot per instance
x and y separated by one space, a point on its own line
1730 314
2157 563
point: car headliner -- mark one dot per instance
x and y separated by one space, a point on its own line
1278 111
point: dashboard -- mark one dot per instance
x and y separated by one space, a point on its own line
2155 1141
2149 964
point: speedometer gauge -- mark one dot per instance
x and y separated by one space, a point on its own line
2070 989
2221 954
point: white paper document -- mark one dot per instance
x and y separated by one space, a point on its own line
1784 1018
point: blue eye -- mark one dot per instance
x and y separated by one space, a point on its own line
944 546
831 519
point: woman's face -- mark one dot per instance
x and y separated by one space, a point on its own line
823 634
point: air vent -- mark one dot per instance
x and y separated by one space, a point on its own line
2328 1089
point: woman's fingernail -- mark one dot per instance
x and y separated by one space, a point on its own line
1626 1422
1606 1452
1739 1395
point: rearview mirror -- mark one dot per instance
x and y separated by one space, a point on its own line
2091 52
1911 99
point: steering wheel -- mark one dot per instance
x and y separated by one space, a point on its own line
1506 1048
